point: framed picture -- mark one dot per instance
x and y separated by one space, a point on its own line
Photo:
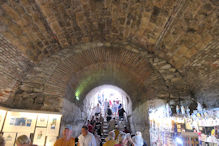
20 122
2 118
42 120
9 138
50 140
53 125
39 136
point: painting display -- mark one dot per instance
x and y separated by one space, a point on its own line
9 138
50 140
43 127
2 117
20 122
53 125
42 120
39 136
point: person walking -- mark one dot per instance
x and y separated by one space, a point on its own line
86 138
121 113
66 140
110 139
137 139
109 114
97 110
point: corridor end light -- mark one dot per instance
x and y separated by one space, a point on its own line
77 98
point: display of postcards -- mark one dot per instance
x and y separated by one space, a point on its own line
9 138
20 122
12 121
29 122
50 140
39 136
53 124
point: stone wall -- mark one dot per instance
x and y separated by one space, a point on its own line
13 68
74 116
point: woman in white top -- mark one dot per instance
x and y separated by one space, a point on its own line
137 139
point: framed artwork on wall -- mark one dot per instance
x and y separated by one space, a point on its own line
50 140
39 136
20 122
53 125
9 138
42 120
2 118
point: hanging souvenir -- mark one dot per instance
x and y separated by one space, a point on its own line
177 109
187 111
182 110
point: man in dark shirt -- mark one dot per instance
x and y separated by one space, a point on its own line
121 113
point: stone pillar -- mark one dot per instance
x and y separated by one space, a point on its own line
72 115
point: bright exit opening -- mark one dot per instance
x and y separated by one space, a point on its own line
106 93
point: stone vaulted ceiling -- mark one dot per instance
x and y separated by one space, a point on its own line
172 42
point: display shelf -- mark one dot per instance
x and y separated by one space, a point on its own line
202 127
17 122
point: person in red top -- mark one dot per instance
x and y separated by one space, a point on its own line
90 127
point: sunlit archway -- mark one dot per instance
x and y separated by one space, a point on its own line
111 94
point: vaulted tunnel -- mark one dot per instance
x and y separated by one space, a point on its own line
156 51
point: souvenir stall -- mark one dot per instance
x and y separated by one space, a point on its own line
201 128
42 127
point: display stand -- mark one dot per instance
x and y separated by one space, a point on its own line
42 127
200 128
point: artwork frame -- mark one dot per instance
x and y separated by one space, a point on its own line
39 136
20 122
50 140
9 138
42 120
2 118
53 125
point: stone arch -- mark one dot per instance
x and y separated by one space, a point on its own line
39 79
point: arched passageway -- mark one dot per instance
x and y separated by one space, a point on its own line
56 52
106 93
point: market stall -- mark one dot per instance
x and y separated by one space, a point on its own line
199 128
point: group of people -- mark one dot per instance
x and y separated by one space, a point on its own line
85 139
89 137
114 109
22 140
119 138
91 133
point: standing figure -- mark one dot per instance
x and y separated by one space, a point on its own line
97 110
86 138
66 139
109 114
121 113
106 104
114 108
